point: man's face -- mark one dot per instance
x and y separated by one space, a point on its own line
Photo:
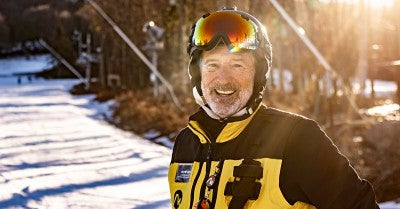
227 79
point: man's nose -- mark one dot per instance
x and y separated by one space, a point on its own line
224 74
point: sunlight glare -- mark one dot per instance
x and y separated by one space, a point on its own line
301 30
379 3
372 3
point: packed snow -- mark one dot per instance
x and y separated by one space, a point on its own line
57 152
31 64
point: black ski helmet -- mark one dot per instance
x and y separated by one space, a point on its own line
261 47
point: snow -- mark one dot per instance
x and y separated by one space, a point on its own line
57 151
25 64
390 205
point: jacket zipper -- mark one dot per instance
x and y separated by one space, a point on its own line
208 165
208 168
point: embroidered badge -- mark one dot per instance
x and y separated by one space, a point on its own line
183 173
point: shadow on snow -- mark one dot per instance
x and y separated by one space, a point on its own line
22 199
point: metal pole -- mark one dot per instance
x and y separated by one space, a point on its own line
62 60
137 51
310 46
88 65
87 71
101 66
362 66
154 58
304 38
316 53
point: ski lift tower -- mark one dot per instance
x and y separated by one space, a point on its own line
152 47
86 58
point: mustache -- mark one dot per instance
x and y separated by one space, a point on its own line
224 87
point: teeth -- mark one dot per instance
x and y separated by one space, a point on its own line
225 92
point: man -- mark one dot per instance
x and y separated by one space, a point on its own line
237 153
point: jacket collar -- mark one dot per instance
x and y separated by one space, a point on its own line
209 130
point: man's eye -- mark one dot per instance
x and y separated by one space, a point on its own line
237 66
212 66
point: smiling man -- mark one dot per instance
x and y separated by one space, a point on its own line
227 79
237 153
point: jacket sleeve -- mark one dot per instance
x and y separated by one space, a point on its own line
315 172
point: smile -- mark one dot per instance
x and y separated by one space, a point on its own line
225 92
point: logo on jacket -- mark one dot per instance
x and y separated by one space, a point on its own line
177 198
183 173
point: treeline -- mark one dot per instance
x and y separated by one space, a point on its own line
24 21
352 37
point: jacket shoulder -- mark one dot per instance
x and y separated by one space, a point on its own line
274 128
277 113
185 143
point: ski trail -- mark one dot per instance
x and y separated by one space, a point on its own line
54 154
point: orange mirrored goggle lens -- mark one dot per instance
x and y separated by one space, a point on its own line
241 32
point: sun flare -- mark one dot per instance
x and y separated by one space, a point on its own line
379 3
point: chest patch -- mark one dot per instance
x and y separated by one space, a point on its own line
183 173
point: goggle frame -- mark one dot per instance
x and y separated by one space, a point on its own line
220 35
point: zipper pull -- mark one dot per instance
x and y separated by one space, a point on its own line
210 183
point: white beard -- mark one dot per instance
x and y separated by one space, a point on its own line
226 105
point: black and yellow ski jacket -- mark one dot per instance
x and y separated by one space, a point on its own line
297 165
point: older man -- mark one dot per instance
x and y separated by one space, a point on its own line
237 153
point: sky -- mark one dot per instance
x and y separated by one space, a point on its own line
56 151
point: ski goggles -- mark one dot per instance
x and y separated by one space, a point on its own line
237 30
